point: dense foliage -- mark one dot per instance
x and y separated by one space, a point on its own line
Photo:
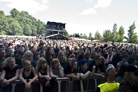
20 23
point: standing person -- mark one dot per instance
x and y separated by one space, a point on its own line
124 61
9 52
63 61
43 74
19 58
130 79
110 85
36 57
49 54
10 72
56 70
99 70
72 70
2 57
28 55
84 73
28 74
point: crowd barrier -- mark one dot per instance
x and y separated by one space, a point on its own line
64 84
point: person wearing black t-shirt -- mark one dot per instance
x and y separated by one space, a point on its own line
99 66
72 71
10 71
27 73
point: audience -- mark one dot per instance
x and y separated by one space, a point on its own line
62 58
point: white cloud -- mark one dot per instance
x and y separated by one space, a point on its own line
88 12
103 3
100 4
30 6
88 0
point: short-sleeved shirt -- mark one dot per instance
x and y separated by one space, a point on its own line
10 73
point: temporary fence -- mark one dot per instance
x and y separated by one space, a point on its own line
64 84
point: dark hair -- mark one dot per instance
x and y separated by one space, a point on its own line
81 62
97 57
20 53
125 56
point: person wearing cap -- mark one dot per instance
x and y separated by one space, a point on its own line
110 85
130 79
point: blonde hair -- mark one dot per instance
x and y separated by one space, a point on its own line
26 54
59 57
6 61
54 61
41 61
127 77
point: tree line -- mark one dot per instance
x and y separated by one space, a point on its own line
20 23
113 35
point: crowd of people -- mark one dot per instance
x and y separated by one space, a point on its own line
29 59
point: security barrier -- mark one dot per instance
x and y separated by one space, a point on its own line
65 84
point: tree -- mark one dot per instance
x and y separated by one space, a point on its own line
3 24
107 36
121 34
84 36
90 36
66 34
98 36
15 13
14 27
41 29
132 37
115 33
27 30
34 30
2 14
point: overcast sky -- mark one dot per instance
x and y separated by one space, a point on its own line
80 16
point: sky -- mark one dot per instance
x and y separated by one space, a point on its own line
80 16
